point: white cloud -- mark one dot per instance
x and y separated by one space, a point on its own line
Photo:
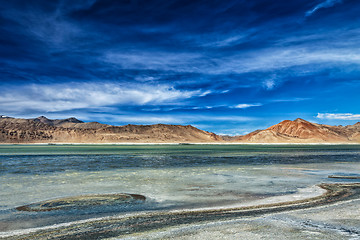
205 93
245 105
269 84
227 41
296 99
269 59
62 97
325 4
282 58
339 116
215 40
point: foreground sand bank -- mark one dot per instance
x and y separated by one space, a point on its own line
125 226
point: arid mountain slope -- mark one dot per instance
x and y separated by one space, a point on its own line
302 131
71 130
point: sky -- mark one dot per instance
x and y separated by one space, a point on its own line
228 67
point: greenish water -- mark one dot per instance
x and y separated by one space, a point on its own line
167 149
169 176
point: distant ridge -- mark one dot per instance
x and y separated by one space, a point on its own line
72 130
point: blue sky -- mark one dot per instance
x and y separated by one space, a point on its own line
230 67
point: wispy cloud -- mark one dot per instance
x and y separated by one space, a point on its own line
246 105
67 96
325 4
269 84
221 41
263 60
49 27
286 57
296 99
339 116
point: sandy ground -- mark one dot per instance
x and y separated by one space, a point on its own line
338 219
333 222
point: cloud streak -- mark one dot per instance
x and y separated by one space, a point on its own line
339 116
264 60
62 97
246 105
325 4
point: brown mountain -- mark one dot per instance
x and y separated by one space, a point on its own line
71 130
302 131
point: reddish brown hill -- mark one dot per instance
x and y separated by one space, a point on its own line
71 130
300 130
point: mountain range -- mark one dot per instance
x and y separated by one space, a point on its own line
302 131
72 130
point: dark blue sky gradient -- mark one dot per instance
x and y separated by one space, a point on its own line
225 66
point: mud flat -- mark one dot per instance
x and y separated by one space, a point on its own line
82 201
127 226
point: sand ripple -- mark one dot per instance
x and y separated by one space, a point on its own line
82 201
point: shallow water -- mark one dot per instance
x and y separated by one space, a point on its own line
169 176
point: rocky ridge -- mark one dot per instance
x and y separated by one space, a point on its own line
72 130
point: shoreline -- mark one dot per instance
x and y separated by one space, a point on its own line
120 226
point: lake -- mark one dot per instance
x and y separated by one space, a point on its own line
170 177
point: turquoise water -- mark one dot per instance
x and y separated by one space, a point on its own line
169 149
169 176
